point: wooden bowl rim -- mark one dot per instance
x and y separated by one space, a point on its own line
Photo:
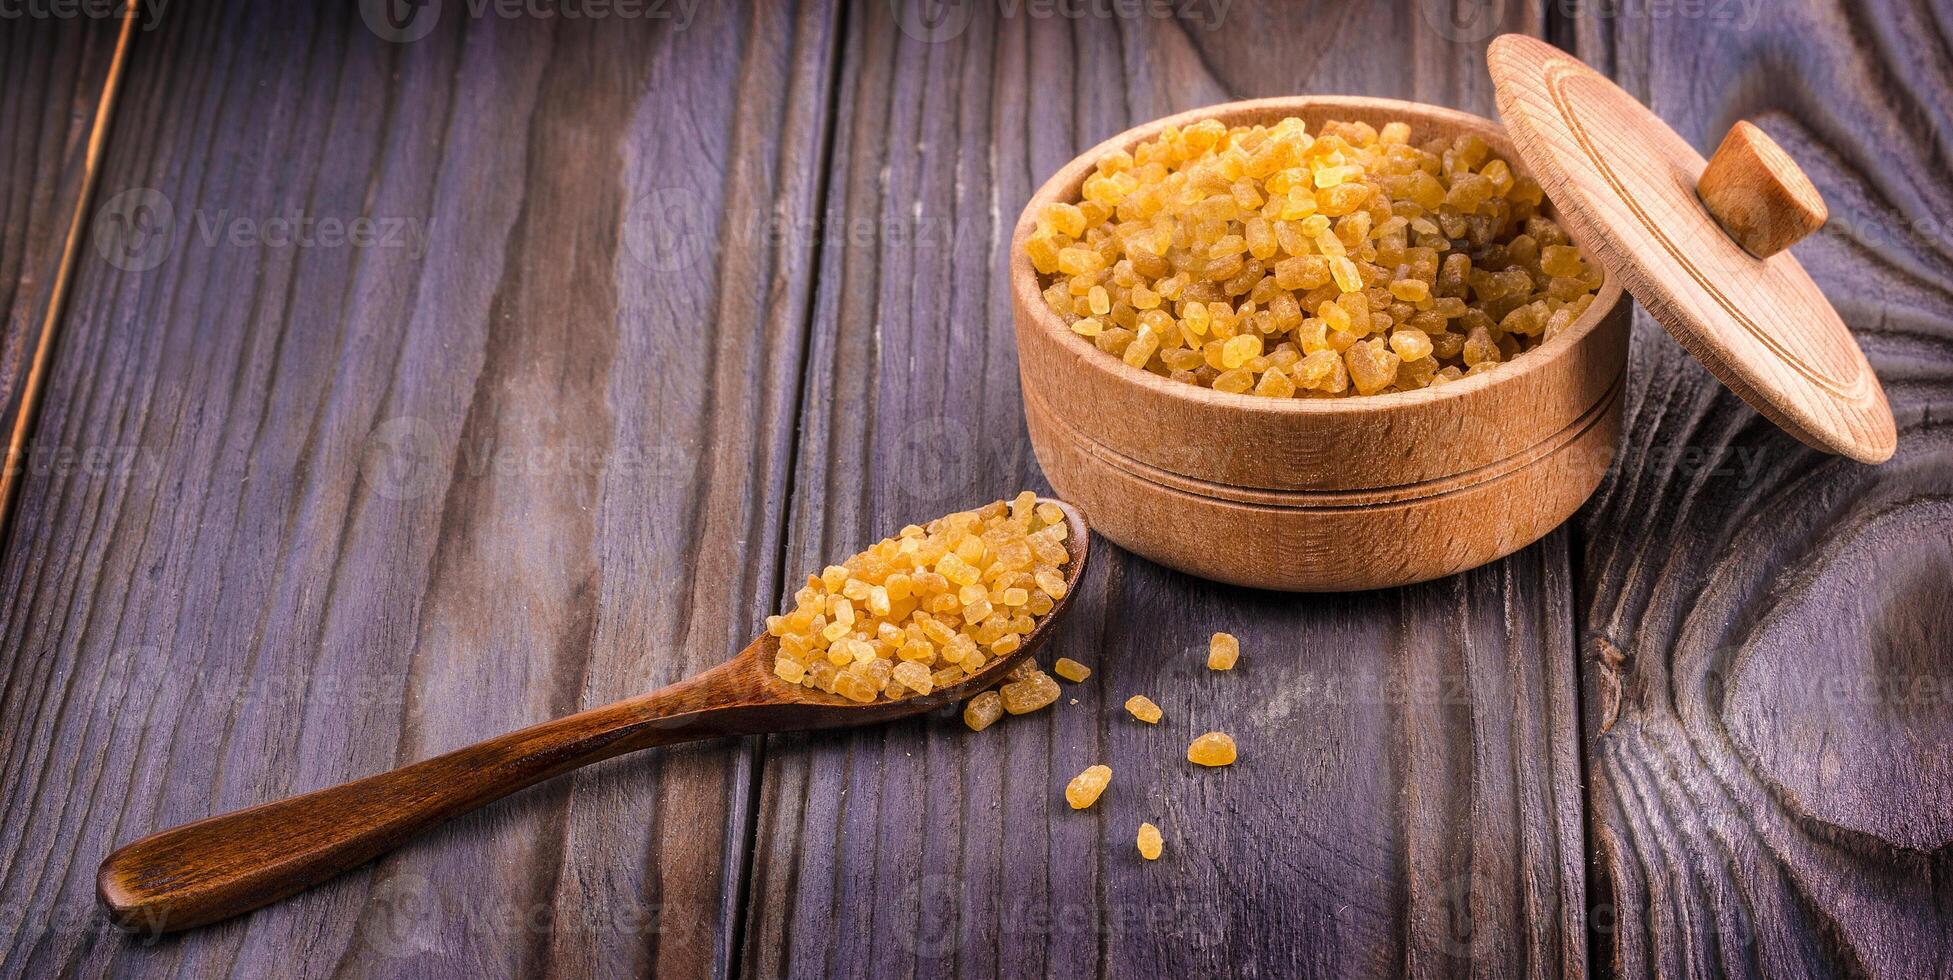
1063 186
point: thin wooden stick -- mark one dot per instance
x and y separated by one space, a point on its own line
30 394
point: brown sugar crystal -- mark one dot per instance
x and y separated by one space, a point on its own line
1211 749
930 607
1272 261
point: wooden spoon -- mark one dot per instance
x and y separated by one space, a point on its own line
235 862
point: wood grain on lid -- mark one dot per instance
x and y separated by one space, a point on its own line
1624 183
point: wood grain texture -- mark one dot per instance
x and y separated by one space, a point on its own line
222 866
1407 798
491 460
1625 184
1767 648
293 546
1758 194
57 84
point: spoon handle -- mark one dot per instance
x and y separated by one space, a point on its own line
232 863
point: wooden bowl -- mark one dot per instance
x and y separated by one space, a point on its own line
1318 495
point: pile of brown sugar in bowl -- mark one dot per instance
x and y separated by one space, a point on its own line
928 607
1265 259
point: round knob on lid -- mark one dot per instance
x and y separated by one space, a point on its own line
1758 194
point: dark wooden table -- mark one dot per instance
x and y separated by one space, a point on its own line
401 386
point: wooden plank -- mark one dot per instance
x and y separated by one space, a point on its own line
1408 796
58 81
520 451
1767 646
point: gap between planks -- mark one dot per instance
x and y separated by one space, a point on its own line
733 967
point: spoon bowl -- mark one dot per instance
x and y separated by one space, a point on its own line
229 864
759 654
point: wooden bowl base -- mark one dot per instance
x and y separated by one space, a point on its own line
1329 541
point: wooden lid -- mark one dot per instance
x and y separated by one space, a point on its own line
1685 235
